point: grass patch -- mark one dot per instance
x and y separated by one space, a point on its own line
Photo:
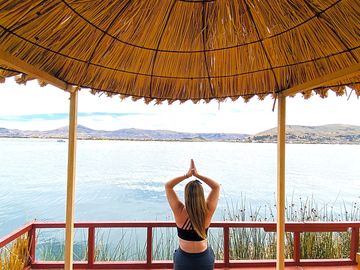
15 256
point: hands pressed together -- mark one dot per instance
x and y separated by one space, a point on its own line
211 200
192 170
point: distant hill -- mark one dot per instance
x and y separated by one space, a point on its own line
334 133
123 134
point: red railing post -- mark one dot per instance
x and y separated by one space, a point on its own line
226 246
354 244
32 245
149 247
297 248
91 246
292 227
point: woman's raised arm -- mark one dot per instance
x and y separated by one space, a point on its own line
175 204
213 197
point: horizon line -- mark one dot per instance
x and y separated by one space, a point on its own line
80 125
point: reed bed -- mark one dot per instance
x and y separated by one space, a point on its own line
15 256
252 243
245 243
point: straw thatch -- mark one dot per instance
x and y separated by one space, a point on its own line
180 50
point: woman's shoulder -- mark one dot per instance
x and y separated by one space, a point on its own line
181 217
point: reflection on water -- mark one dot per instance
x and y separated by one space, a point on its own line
123 180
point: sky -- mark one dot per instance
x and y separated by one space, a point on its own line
32 107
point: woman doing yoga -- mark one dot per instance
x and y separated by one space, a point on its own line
193 220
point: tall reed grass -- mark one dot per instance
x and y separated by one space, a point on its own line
15 256
253 243
245 243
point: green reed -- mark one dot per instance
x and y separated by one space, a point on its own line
253 243
245 243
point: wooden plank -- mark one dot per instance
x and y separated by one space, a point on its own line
268 226
32 245
91 246
226 246
149 246
238 264
327 79
343 267
280 227
69 228
325 262
16 63
311 226
354 244
297 247
14 235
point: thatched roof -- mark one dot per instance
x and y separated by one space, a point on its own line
180 50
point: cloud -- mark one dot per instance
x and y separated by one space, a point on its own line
59 116
33 117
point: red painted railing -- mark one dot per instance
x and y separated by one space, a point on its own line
295 228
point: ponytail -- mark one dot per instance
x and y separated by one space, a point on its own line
196 207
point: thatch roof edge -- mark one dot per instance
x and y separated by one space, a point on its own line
322 91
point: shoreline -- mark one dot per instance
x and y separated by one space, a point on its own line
245 141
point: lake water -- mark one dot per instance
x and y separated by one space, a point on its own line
123 180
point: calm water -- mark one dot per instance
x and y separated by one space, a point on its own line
123 180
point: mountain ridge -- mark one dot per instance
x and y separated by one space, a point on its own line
331 133
121 134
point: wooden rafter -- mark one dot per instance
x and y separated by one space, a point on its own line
327 79
20 65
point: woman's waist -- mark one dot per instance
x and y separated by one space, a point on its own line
193 246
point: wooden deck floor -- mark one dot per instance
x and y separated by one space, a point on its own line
352 267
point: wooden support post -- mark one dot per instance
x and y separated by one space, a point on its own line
91 247
226 246
354 243
32 245
297 248
149 247
69 231
280 226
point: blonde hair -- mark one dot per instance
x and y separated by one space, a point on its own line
196 206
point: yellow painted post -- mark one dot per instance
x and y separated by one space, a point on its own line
280 227
358 260
69 231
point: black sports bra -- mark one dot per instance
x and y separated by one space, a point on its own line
186 232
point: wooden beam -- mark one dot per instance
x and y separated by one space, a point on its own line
280 204
26 68
69 228
327 79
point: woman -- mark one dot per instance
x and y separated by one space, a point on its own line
193 220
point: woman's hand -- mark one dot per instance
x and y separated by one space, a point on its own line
193 168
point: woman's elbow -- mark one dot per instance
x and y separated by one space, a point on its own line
168 186
216 186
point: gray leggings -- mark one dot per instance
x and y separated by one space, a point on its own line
194 261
